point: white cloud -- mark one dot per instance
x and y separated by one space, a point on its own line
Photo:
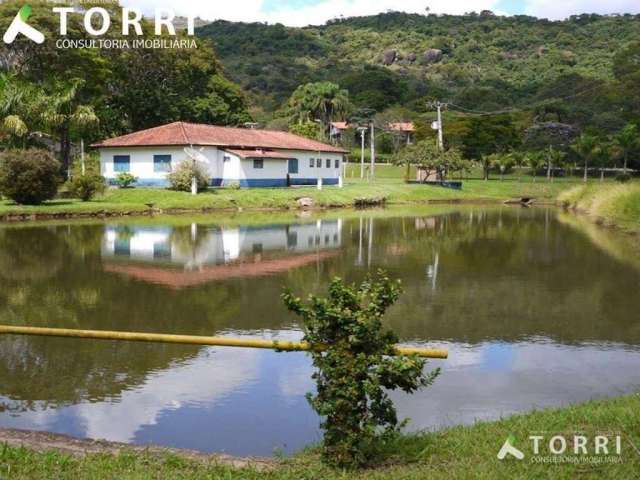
559 10
252 11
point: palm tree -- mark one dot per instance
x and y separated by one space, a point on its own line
21 107
604 154
554 160
519 158
627 139
585 146
503 162
65 115
534 160
324 101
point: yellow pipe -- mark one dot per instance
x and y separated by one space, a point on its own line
193 340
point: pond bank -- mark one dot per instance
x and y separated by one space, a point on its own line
610 205
459 452
148 202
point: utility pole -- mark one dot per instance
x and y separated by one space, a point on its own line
82 155
438 105
373 150
362 131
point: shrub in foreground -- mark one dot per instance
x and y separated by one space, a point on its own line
86 181
623 178
86 186
125 180
357 367
30 176
180 178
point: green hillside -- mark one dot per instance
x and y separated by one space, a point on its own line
477 61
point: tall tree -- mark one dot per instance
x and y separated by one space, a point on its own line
534 160
586 147
488 135
554 157
324 101
20 110
627 140
604 157
66 116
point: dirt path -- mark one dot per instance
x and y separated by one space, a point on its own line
46 441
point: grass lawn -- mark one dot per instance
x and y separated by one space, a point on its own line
460 453
388 184
609 204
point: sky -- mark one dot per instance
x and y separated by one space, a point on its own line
314 12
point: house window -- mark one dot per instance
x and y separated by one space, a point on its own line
258 163
319 162
337 163
328 163
292 166
122 246
161 250
121 163
292 239
161 163
312 162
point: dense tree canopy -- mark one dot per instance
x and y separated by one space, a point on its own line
482 62
68 93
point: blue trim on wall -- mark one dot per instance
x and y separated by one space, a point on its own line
313 181
263 182
244 183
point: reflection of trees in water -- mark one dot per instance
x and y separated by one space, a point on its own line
78 294
502 274
512 277
25 256
40 372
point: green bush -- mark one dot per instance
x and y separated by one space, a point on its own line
86 182
86 186
30 176
180 178
623 178
125 180
233 185
356 367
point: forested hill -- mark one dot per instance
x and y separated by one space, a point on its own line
479 61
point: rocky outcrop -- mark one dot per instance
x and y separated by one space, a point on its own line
433 55
412 57
509 56
305 202
389 57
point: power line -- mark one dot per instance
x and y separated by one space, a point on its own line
515 110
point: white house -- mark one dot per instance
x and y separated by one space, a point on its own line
160 255
251 158
217 245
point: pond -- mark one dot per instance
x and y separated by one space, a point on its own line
536 307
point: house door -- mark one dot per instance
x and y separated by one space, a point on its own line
293 166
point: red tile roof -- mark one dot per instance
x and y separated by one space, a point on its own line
340 125
178 279
182 133
257 154
402 126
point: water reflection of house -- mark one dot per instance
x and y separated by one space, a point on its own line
180 257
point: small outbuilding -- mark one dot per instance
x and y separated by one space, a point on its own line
250 158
